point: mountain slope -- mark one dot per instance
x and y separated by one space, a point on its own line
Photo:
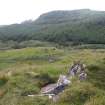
83 25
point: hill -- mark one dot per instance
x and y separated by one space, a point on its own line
78 26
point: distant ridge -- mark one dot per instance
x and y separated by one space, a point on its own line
80 26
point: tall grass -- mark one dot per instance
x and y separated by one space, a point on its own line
25 71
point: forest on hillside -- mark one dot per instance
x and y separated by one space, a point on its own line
63 27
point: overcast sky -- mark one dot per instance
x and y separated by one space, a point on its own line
16 11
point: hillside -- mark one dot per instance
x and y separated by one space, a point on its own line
78 26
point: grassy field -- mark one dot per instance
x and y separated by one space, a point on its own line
26 71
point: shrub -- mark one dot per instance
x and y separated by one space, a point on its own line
3 80
78 94
44 79
93 67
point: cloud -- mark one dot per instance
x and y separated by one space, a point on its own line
16 11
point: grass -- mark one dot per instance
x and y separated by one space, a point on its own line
25 71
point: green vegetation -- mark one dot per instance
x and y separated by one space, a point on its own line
25 71
34 54
64 27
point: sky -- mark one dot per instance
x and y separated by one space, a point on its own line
17 11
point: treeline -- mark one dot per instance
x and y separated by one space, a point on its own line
30 43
